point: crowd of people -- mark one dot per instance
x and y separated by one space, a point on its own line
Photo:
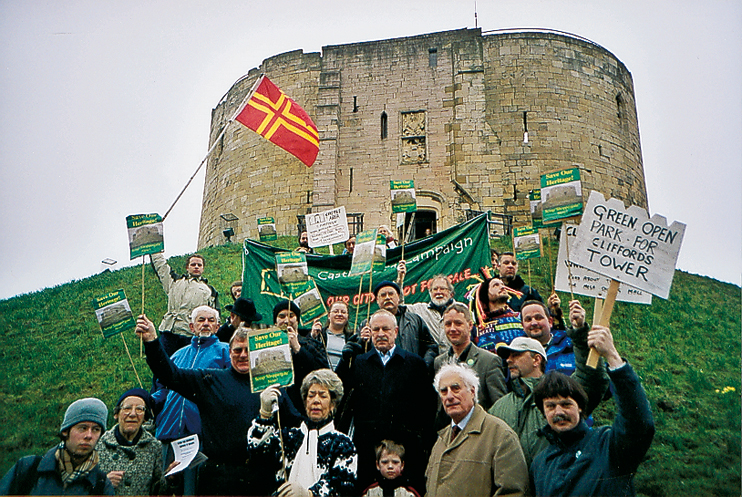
488 397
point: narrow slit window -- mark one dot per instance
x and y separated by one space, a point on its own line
384 125
433 57
525 127
355 103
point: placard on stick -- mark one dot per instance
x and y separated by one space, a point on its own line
403 196
145 234
267 229
534 201
113 313
625 244
327 227
363 253
310 302
586 282
270 359
292 271
526 243
561 195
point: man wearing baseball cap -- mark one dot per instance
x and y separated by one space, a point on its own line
70 468
526 360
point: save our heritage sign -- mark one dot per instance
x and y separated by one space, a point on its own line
403 196
145 234
526 243
113 313
625 244
561 195
458 252
270 359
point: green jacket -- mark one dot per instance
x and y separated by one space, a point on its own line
518 408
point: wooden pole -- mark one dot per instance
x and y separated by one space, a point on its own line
141 340
605 319
131 360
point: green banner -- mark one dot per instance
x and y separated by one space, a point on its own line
526 243
458 252
270 359
561 195
145 234
403 196
113 313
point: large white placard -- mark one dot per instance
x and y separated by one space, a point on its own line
586 282
625 244
328 227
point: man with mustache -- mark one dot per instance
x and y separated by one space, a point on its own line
584 461
441 296
527 362
391 399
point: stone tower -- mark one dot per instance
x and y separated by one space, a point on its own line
474 119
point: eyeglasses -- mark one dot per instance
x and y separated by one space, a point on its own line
138 409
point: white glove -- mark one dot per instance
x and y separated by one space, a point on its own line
269 398
292 490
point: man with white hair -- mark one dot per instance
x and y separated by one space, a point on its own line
477 454
440 290
177 416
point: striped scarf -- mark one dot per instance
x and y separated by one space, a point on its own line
67 471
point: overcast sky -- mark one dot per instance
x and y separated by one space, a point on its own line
105 109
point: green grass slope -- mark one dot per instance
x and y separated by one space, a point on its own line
686 349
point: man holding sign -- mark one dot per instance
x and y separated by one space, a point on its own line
227 405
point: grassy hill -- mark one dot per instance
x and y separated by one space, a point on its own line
686 349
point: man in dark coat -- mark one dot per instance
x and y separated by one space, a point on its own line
510 276
581 461
390 398
227 405
414 335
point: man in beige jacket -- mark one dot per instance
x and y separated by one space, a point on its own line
477 454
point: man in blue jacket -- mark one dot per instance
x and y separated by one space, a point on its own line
539 325
179 417
582 461
70 468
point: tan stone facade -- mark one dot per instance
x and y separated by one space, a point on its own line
448 110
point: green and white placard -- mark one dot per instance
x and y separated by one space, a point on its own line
267 229
113 313
561 195
270 359
363 253
145 234
403 196
291 268
310 302
526 243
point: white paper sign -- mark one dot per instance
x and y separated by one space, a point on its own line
328 227
625 244
185 450
586 282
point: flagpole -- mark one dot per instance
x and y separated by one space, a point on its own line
213 146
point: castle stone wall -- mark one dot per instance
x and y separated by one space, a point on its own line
456 106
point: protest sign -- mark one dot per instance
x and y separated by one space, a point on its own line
270 359
291 268
364 252
145 234
310 302
586 282
459 252
625 244
380 252
561 195
534 200
185 451
403 196
113 313
526 243
267 229
328 227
